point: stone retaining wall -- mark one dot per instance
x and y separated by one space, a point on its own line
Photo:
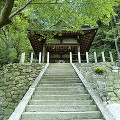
15 80
107 85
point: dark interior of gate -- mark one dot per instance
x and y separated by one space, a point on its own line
68 41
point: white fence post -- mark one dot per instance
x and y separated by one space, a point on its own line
95 57
111 57
31 57
22 60
39 57
87 58
103 56
79 57
70 57
47 57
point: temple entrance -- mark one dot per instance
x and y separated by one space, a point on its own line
60 53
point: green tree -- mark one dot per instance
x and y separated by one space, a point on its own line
77 12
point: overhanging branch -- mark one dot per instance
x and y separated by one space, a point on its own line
20 9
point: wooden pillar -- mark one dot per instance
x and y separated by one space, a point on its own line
43 55
22 60
103 56
78 48
70 57
47 57
79 57
95 57
87 58
31 57
39 57
111 57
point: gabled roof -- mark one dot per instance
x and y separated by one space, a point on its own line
63 25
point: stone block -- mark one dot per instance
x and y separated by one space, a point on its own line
9 100
15 96
2 94
14 88
8 95
1 117
110 83
30 79
16 73
3 88
114 99
8 111
11 105
26 70
112 94
5 104
116 86
110 89
8 75
117 93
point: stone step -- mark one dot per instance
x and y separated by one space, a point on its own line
60 88
61 74
60 92
61 85
62 97
61 115
56 76
59 82
59 79
61 102
60 108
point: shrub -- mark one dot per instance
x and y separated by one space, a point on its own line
99 70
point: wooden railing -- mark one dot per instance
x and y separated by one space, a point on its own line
79 60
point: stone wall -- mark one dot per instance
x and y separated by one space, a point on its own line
15 80
107 85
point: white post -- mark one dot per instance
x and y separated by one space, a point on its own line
87 58
70 57
47 57
39 57
95 57
22 60
111 57
79 57
103 56
31 57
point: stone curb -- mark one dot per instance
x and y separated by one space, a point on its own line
16 115
104 110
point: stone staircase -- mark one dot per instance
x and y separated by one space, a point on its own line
60 95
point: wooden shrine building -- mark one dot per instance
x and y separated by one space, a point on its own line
68 42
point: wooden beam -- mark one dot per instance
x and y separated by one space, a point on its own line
31 57
111 57
87 57
22 60
70 57
79 48
39 57
79 57
43 55
48 56
103 56
95 57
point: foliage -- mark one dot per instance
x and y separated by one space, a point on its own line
42 17
77 12
99 70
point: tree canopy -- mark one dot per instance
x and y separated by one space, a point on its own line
17 16
77 12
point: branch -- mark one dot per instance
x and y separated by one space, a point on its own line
20 9
4 34
4 17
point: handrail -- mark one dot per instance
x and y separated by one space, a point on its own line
104 110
